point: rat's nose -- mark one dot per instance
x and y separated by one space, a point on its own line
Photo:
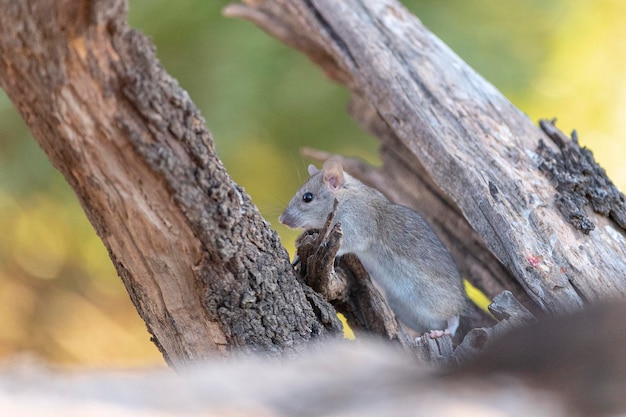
287 219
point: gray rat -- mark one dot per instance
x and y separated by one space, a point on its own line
399 250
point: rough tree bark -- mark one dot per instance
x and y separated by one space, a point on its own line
205 271
207 274
460 152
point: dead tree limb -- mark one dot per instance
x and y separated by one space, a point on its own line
469 156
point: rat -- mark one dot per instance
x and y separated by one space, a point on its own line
399 250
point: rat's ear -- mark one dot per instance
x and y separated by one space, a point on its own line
333 173
313 169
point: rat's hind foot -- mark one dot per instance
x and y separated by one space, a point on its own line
453 325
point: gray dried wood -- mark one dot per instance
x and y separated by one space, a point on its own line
556 368
468 154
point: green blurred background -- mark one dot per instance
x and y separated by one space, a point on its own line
60 298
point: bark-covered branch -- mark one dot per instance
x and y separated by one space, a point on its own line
204 270
579 181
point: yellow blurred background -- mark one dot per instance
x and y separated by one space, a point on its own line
60 298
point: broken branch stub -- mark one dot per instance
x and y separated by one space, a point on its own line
316 254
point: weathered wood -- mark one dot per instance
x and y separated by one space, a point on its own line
205 271
473 146
510 313
580 357
506 307
437 352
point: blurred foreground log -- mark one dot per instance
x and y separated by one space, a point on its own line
558 368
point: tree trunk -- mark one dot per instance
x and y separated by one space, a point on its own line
461 153
203 268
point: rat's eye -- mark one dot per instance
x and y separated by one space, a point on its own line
307 197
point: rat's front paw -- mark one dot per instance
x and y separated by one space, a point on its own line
434 334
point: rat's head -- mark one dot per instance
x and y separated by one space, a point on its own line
309 208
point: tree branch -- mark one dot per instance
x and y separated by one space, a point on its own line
462 143
205 271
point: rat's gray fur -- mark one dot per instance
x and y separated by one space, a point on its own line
396 246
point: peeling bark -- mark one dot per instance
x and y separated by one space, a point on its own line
579 181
